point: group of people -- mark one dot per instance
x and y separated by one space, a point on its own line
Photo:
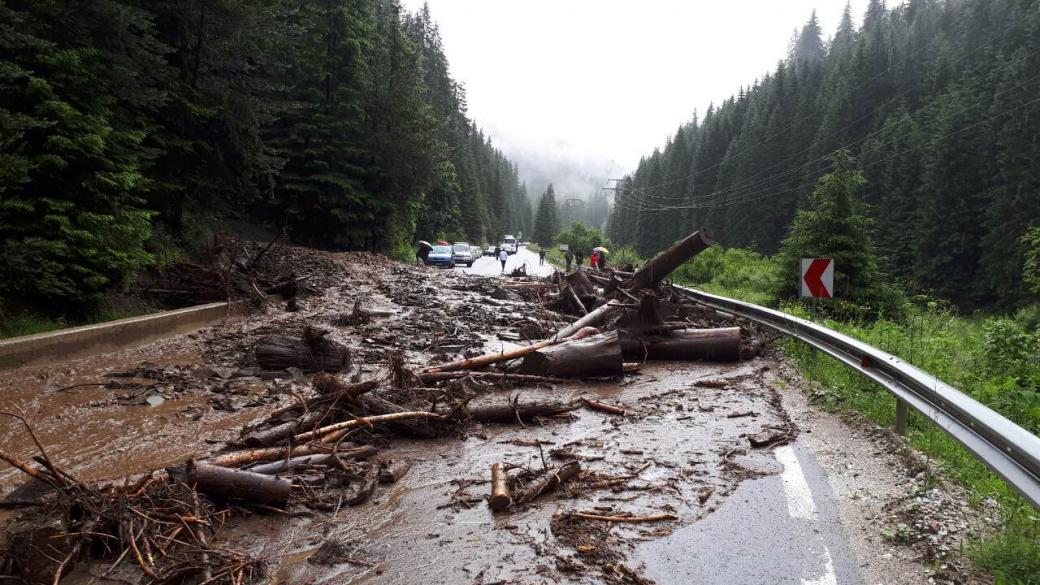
598 259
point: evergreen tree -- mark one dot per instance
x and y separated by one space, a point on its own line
835 226
546 219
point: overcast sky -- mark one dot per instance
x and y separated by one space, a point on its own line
611 78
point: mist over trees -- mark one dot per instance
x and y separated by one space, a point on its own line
124 120
938 102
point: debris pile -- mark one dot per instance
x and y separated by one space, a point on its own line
331 446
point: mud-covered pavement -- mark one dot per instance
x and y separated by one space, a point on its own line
744 514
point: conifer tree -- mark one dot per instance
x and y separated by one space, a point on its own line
834 226
547 218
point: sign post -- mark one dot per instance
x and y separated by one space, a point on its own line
817 281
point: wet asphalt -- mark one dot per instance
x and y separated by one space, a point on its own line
488 266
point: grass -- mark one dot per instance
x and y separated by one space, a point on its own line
29 323
994 359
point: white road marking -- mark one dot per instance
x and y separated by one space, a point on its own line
800 503
828 577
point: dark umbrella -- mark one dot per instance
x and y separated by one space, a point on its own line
424 245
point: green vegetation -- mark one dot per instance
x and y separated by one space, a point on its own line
943 130
127 124
580 239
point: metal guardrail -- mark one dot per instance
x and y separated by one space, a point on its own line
1012 452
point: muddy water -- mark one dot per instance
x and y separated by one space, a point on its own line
435 527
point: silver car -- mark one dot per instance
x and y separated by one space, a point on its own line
462 253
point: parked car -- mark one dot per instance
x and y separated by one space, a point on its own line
440 256
463 254
476 252
490 251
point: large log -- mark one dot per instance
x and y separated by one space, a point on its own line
335 431
656 270
599 355
313 352
322 459
717 345
325 383
505 356
505 412
581 284
235 484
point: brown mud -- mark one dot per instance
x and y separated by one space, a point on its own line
682 448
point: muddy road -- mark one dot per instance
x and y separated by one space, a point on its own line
807 509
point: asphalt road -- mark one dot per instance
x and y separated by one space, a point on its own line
488 266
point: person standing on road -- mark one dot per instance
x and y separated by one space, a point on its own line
422 253
569 258
541 256
503 256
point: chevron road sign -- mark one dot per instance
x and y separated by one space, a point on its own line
817 278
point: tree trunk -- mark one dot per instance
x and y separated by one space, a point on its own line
506 412
311 353
500 496
718 345
285 430
656 270
325 383
236 484
322 459
414 427
505 356
581 284
595 356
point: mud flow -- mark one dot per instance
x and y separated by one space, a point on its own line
652 449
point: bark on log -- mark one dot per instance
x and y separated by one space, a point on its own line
603 407
268 454
277 433
594 317
718 345
575 300
327 432
595 356
500 496
656 270
325 383
580 284
552 479
494 358
236 484
374 405
322 459
509 412
311 353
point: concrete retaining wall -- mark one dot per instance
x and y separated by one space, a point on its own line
78 342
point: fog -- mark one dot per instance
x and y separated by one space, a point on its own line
577 91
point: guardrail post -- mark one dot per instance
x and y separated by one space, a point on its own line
902 416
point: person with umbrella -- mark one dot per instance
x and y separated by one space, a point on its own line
594 259
423 251
601 256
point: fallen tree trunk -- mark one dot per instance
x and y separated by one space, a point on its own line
310 353
595 356
494 358
594 317
684 345
287 429
499 376
657 269
325 459
510 412
329 433
235 484
500 496
580 284
414 427
268 454
552 479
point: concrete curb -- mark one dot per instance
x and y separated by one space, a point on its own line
88 340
